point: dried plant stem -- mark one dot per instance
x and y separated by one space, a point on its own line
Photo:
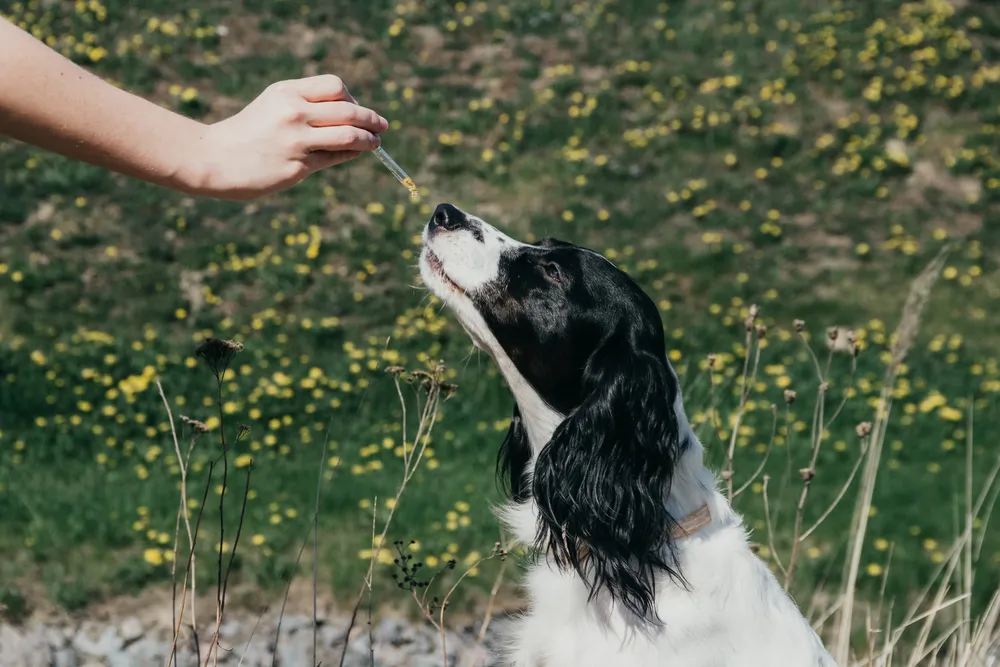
746 384
252 633
315 524
411 462
840 494
488 615
284 600
182 462
906 333
229 566
770 528
808 474
190 561
767 455
220 595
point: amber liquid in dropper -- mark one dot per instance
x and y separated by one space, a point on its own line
397 171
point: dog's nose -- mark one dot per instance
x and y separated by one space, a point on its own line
448 217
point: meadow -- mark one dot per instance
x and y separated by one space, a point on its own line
807 158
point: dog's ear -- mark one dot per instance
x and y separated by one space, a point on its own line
513 460
602 481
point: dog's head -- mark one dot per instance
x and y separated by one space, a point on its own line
582 347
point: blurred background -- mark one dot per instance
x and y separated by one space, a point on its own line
807 157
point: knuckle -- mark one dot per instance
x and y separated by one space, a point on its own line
280 87
293 113
333 83
355 116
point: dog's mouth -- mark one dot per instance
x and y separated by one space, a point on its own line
438 269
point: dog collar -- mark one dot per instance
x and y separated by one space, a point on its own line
692 523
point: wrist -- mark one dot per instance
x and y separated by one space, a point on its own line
195 170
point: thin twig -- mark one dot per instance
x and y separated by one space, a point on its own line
190 561
770 528
428 418
252 633
745 384
767 455
840 494
315 522
182 462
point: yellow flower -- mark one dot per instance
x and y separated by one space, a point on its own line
257 540
949 413
243 460
153 556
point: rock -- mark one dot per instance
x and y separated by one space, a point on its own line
131 630
107 643
55 637
231 628
23 648
64 657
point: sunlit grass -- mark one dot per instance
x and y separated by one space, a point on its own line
806 161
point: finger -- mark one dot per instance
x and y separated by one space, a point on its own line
323 88
323 159
326 114
341 138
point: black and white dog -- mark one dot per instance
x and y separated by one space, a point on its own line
642 561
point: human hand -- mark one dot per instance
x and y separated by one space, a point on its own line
294 128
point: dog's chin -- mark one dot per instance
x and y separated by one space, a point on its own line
451 293
436 278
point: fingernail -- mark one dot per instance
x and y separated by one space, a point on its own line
383 123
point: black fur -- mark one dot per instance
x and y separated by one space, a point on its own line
513 459
591 344
601 482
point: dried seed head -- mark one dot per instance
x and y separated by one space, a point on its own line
824 387
832 333
790 396
851 337
198 426
799 325
395 370
752 317
242 431
711 361
761 331
863 429
807 474
217 353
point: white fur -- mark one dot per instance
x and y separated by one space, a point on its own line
735 613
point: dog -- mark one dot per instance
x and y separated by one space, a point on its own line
641 562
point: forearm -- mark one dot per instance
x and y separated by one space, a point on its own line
48 101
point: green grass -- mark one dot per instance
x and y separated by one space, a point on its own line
809 158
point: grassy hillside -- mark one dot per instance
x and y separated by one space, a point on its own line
809 157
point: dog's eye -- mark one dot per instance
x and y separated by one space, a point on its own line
552 272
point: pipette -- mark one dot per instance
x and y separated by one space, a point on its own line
397 171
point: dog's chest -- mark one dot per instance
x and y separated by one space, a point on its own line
734 615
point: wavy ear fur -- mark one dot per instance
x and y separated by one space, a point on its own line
602 481
513 460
